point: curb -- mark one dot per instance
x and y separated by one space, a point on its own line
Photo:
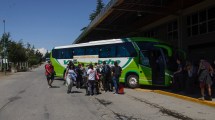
209 103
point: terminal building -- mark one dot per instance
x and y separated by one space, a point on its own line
185 24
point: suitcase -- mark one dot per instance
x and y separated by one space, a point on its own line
121 88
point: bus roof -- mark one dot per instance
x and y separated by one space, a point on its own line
109 41
92 43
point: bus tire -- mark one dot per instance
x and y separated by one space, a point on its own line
132 81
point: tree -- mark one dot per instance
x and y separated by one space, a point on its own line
34 57
47 55
99 7
16 52
39 56
5 38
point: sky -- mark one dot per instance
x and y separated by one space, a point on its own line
45 23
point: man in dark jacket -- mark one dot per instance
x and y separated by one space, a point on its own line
106 74
116 72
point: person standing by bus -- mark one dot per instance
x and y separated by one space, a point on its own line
70 77
84 76
205 79
91 79
178 82
79 76
116 73
190 75
64 72
106 74
49 73
213 74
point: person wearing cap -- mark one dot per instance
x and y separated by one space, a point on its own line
49 72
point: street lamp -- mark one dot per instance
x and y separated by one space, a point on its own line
4 49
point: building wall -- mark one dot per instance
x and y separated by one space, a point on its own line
201 45
197 46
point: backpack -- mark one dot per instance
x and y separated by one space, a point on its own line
117 71
107 70
79 72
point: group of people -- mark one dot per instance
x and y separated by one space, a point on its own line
189 75
94 78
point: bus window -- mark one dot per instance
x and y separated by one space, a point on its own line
58 53
92 51
125 50
68 53
144 58
62 53
79 51
170 62
107 51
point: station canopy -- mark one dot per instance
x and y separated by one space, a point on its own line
127 18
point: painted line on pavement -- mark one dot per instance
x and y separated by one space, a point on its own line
143 90
209 103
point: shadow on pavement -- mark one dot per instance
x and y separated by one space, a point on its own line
55 87
76 91
60 79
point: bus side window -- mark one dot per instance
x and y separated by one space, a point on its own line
68 53
107 51
54 53
79 51
125 50
144 59
92 50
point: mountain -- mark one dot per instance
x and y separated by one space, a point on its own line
42 50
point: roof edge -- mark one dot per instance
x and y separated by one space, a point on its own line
99 18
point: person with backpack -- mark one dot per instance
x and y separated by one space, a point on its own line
84 76
116 73
79 76
106 74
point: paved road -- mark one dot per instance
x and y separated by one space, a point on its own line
26 96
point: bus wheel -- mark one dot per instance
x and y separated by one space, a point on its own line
132 81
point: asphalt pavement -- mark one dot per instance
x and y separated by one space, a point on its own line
26 96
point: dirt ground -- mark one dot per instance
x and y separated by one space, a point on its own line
2 74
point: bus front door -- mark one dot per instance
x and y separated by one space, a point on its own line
158 67
156 63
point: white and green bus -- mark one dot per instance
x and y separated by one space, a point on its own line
144 61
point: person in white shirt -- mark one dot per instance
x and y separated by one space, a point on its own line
91 79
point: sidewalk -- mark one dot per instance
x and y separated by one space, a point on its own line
181 95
